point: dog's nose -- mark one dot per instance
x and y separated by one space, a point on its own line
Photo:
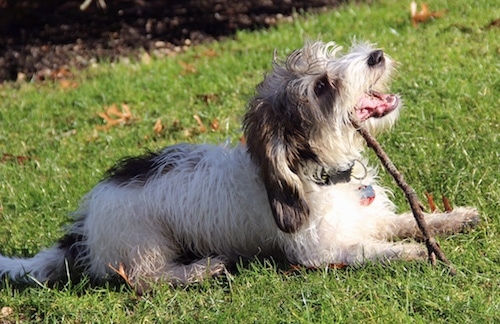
376 58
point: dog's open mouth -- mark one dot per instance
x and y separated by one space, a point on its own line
375 104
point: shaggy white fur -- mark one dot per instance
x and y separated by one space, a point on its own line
299 188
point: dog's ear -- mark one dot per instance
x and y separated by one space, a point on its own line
279 146
285 194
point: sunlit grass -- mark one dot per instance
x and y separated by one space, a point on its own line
445 143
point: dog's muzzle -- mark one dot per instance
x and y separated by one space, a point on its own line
373 103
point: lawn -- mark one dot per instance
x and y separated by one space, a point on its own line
55 145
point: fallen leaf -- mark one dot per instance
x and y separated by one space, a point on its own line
158 127
446 204
201 127
113 117
208 98
187 68
210 53
424 14
337 265
66 84
187 133
430 200
293 268
215 124
61 73
10 157
176 124
121 272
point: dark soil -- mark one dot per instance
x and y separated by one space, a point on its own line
40 37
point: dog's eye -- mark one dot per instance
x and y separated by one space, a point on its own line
320 86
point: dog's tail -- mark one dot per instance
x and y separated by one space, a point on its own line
46 266
53 264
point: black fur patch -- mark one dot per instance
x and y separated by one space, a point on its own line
137 169
72 245
69 244
326 91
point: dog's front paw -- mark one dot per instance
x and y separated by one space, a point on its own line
457 220
468 216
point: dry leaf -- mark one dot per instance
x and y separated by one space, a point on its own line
68 84
176 124
61 73
187 68
113 117
215 124
53 74
10 157
432 205
424 14
208 98
121 272
187 132
210 53
158 127
201 127
337 265
430 201
446 204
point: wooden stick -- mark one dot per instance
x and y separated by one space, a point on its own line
433 248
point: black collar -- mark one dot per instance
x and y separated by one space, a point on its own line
328 176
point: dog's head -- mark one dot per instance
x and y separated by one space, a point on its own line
301 116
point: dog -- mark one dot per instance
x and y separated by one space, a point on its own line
298 188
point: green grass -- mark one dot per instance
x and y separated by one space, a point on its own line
447 142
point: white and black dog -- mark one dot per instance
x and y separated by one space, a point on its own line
298 188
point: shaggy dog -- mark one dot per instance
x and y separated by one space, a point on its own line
298 188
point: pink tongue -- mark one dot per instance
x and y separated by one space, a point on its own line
375 105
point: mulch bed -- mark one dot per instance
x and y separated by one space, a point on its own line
40 37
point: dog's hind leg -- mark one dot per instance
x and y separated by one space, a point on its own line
197 270
178 273
455 221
